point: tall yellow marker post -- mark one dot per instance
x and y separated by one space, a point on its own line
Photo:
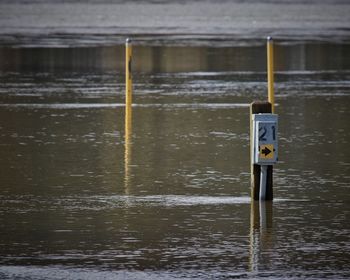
270 74
128 115
264 137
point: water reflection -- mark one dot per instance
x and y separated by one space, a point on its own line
128 148
147 59
261 226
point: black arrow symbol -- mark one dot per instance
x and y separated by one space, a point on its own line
266 151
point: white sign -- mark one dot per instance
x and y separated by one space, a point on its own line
265 150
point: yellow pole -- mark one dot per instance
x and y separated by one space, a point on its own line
128 77
270 73
128 114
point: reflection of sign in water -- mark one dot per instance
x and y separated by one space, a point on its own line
265 139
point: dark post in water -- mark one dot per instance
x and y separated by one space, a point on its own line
259 107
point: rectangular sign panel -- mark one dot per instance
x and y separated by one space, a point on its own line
265 150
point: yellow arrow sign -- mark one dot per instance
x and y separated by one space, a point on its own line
266 151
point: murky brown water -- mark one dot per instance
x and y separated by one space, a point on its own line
78 201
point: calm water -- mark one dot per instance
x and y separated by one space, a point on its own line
86 196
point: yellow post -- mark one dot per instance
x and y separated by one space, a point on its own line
128 77
270 73
128 114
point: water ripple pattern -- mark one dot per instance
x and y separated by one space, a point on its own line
87 194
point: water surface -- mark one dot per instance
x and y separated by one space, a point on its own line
85 195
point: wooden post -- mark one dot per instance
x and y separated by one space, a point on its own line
256 108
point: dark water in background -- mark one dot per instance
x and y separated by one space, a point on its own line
78 201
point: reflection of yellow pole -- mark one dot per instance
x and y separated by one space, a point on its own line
128 114
127 146
270 73
128 76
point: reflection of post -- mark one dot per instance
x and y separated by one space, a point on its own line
128 144
254 248
128 115
260 232
128 75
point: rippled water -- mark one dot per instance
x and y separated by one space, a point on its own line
83 196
